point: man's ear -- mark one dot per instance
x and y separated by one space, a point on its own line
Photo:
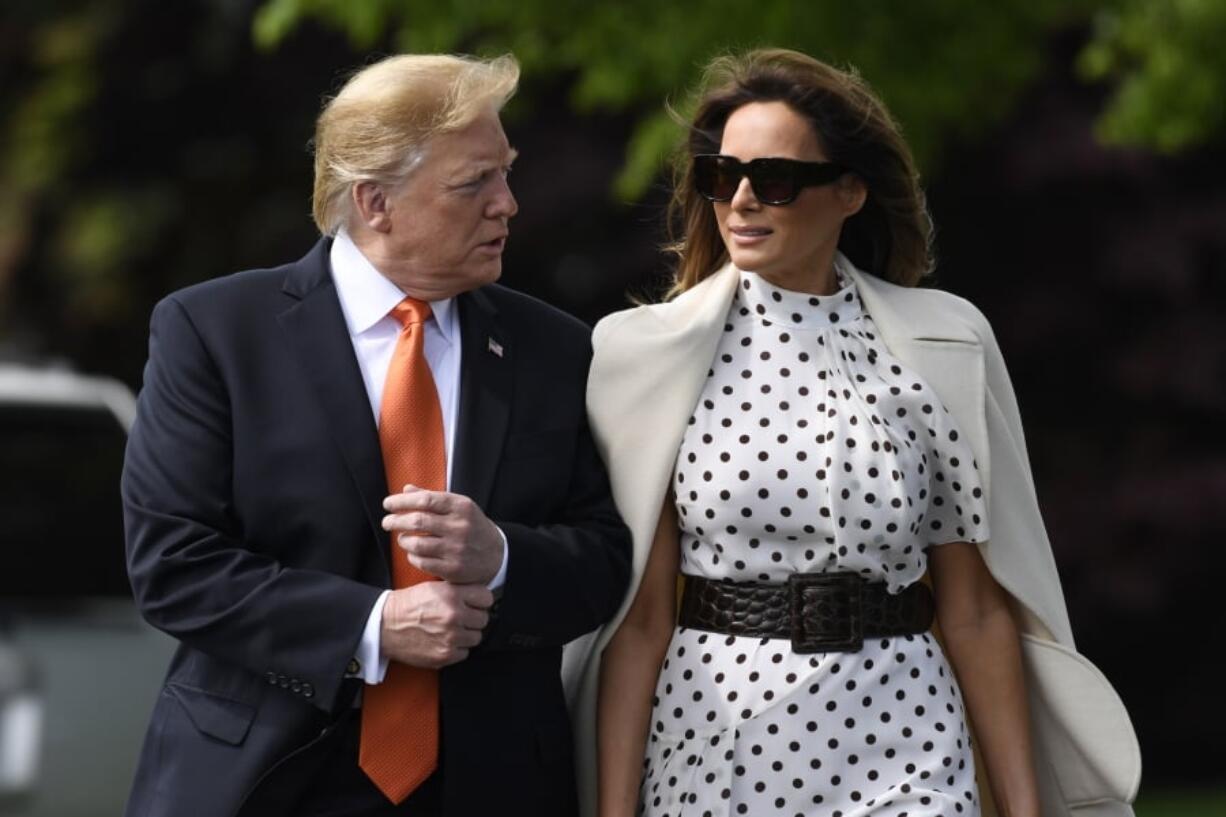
852 193
371 206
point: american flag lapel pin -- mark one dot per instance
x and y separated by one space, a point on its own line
495 347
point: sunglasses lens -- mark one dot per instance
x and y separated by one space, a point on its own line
774 183
715 178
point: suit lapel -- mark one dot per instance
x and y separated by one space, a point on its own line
485 397
317 333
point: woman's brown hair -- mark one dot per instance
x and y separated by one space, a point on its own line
891 236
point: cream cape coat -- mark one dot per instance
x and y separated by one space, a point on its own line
649 366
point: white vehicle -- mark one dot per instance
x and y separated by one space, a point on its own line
79 668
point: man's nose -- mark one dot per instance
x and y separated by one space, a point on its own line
503 204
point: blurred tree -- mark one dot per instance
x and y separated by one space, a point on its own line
135 133
77 200
947 69
48 82
1167 62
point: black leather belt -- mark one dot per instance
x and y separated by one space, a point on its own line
818 612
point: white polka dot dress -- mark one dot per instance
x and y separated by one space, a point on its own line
812 449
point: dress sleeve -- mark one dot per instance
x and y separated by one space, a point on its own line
957 507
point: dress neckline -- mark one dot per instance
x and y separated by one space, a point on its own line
773 305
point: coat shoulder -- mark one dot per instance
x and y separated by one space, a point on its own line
245 282
239 293
616 325
932 299
650 320
937 307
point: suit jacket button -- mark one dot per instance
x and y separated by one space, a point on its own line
271 678
283 682
308 690
354 667
295 687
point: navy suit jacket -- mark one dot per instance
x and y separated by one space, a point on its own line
252 492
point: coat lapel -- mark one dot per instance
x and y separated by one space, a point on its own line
316 330
485 397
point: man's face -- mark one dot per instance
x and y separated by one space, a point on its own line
448 220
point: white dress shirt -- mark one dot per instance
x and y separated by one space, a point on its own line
367 299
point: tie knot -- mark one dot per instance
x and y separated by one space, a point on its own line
411 311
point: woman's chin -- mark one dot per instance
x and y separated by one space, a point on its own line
750 260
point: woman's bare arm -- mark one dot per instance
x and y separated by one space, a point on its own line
981 638
629 668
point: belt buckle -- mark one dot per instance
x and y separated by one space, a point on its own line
838 597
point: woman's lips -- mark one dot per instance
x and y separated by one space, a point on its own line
749 236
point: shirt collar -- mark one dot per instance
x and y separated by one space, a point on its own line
367 296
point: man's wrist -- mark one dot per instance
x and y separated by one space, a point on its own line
368 662
500 577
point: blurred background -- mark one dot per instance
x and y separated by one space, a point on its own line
1073 156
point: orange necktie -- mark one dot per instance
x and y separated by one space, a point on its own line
399 747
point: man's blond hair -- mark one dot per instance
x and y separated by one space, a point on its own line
378 127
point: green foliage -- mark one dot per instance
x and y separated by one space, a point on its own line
1167 62
80 80
39 136
946 68
101 232
363 22
1188 802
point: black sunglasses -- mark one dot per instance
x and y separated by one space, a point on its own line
774 181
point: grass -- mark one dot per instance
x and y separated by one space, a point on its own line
1181 803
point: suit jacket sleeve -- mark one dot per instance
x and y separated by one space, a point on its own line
193 575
